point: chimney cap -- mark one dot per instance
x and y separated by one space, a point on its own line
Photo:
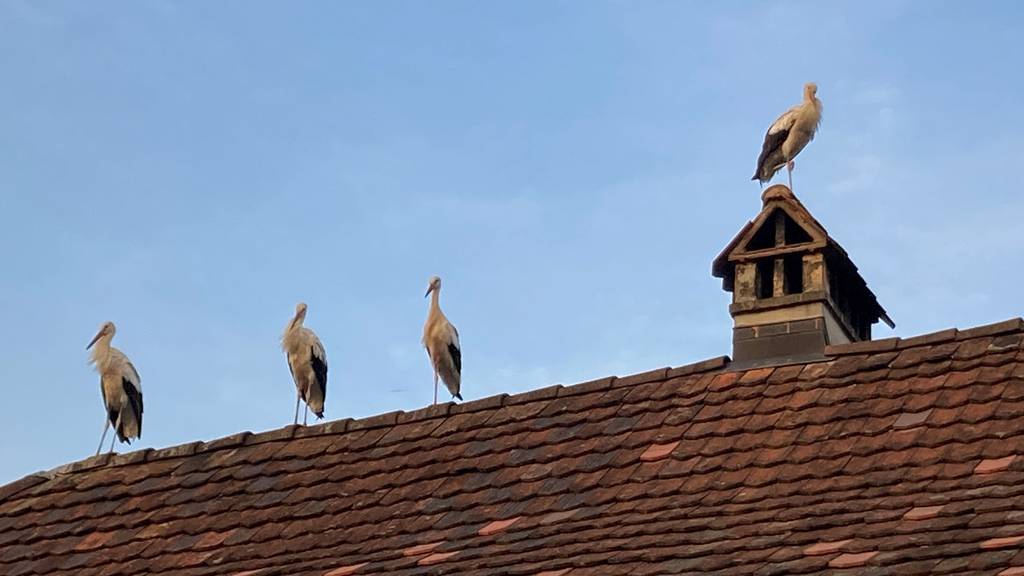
777 192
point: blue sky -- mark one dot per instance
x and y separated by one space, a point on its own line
192 170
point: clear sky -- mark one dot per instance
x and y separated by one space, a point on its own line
192 170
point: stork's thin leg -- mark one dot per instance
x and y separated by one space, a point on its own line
296 422
117 426
789 170
305 416
435 386
106 426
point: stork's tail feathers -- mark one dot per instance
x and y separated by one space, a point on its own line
457 395
319 415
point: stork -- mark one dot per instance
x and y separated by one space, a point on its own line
121 388
788 135
307 362
441 340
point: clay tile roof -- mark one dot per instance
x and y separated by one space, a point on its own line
894 458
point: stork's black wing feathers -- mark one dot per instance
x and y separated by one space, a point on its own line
456 355
320 370
772 142
135 399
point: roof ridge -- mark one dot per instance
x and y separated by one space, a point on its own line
1011 326
344 425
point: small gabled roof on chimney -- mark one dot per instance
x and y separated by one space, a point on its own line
745 246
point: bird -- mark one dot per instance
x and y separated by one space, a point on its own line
441 340
307 362
788 135
120 385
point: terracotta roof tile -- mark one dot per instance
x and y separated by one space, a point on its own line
893 457
824 548
497 526
922 513
852 560
555 517
658 451
1004 542
436 558
345 570
421 549
993 465
911 419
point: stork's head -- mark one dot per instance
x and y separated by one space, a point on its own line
106 330
810 89
434 284
300 316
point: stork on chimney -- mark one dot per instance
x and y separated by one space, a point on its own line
794 289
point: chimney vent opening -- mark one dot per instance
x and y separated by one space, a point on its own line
795 234
763 239
793 265
764 278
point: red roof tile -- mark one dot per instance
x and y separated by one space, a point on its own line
345 570
824 548
922 513
658 451
1005 542
805 469
497 526
851 560
421 549
436 558
994 465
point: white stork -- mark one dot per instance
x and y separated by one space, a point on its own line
307 362
441 340
121 388
788 135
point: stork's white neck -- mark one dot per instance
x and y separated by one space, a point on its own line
100 352
291 339
296 323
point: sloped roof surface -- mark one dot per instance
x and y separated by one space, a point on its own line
894 457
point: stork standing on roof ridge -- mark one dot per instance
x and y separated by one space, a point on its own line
307 362
441 340
120 385
788 135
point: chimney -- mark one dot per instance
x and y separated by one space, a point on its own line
794 288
